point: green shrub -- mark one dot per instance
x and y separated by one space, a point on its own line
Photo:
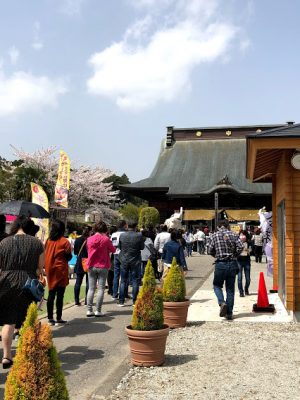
174 284
148 309
130 212
149 216
36 373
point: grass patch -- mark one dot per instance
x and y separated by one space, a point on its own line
68 297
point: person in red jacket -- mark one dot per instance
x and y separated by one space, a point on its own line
99 248
57 254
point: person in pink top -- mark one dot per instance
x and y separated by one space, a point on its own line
99 248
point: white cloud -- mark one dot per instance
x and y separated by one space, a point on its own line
14 55
245 44
37 43
24 92
143 70
71 7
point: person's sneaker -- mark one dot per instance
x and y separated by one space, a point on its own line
242 295
229 317
90 314
100 314
247 292
77 304
51 322
114 298
60 322
121 305
223 310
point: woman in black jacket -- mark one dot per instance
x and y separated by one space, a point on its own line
80 250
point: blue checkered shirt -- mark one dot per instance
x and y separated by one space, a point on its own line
225 245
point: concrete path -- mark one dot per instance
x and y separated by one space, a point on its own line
94 351
204 305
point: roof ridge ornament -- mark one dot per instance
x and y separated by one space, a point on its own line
225 181
170 136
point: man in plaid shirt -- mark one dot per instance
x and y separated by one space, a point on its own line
225 246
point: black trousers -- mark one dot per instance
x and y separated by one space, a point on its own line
57 292
110 281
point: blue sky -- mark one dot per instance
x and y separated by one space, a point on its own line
101 79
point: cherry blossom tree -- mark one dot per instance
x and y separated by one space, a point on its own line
87 189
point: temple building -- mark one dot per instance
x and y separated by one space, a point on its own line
194 164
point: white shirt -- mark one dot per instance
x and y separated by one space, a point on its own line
115 237
200 235
146 252
160 240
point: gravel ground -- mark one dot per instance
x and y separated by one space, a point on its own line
222 360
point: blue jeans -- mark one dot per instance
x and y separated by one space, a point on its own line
244 265
189 248
134 269
201 246
117 274
117 268
225 271
96 275
77 286
143 267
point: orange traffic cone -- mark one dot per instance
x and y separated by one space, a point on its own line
274 289
262 304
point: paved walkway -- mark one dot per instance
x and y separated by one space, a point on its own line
253 357
94 352
204 305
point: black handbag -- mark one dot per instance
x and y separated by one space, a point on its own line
34 288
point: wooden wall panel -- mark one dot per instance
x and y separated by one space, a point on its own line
286 190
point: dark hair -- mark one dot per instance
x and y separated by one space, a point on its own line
2 222
112 229
174 236
179 234
164 228
22 222
145 233
223 222
132 224
34 230
122 224
100 227
86 231
58 228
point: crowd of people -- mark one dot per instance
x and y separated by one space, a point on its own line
113 257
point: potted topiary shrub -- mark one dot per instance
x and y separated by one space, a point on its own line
175 303
147 333
36 373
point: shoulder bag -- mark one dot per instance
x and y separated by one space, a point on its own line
34 287
84 263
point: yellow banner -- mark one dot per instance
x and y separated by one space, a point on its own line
63 180
39 197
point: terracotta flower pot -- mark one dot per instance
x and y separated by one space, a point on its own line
147 347
175 313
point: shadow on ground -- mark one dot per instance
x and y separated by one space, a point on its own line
73 357
2 382
250 314
174 359
195 323
82 326
200 301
